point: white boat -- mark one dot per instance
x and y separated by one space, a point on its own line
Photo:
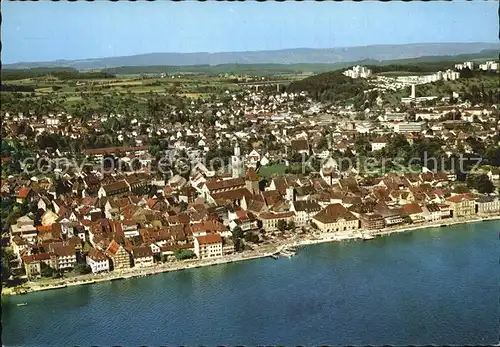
22 304
368 237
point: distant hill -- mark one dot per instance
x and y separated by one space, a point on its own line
284 56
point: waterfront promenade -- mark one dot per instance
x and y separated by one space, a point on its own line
260 251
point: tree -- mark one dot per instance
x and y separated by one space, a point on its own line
238 245
362 145
466 73
281 225
47 271
484 185
251 237
322 143
237 233
184 254
480 182
461 189
291 225
7 257
492 155
83 269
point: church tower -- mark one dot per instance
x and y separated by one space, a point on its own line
237 163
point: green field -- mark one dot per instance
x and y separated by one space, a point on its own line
277 169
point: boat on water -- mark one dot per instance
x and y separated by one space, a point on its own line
22 304
368 237
274 256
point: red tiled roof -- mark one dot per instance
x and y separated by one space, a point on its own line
232 194
460 198
333 212
209 239
142 252
251 175
412 209
23 192
282 215
109 150
113 248
44 228
242 215
225 184
96 255
36 257
207 226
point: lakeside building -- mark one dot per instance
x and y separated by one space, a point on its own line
63 256
97 261
208 246
119 256
462 205
488 205
334 218
33 264
305 210
143 256
431 212
371 221
270 220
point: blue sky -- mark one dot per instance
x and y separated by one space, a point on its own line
42 31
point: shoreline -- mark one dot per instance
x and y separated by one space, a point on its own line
249 255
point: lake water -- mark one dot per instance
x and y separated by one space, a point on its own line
433 286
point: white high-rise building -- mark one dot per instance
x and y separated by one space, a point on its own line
358 72
489 66
413 94
465 65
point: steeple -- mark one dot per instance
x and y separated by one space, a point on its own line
237 151
237 163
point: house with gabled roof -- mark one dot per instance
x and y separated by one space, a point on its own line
143 256
24 194
334 218
270 220
33 264
114 189
431 212
462 205
208 246
304 210
414 211
97 261
120 257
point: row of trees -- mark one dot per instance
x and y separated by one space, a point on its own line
58 72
